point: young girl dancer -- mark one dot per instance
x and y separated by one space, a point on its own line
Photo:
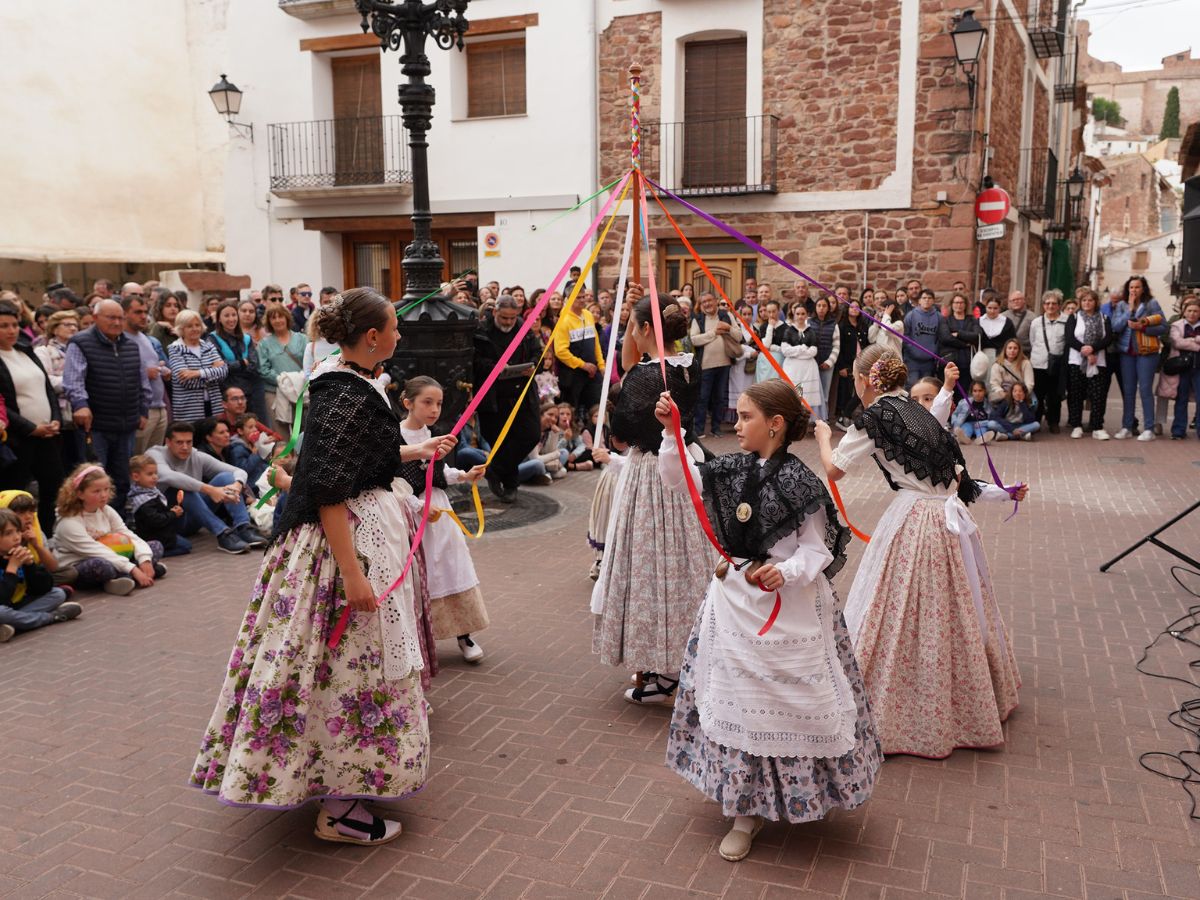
776 725
656 557
457 604
297 720
927 631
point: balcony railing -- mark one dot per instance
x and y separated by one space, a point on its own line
1037 188
1047 27
713 156
334 153
1065 84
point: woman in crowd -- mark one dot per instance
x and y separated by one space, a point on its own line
1139 326
1185 340
1048 356
744 369
297 720
165 311
958 334
800 360
774 333
828 338
752 728
34 420
854 338
281 350
240 355
889 313
248 320
996 329
939 669
1088 338
60 328
653 574
1011 367
197 371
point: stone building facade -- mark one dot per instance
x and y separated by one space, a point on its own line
879 152
1138 201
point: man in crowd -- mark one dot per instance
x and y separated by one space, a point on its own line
132 289
921 325
708 330
109 392
493 338
137 323
302 305
1021 317
580 357
209 488
65 298
235 407
103 287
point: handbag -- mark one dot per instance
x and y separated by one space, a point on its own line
1178 365
980 362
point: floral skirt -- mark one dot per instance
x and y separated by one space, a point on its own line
601 512
789 789
295 720
656 568
940 672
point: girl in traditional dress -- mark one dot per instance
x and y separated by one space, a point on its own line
938 665
297 720
800 360
456 602
656 557
771 722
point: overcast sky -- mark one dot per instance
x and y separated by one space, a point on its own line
1139 33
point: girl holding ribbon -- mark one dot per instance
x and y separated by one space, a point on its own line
655 554
938 665
772 719
297 720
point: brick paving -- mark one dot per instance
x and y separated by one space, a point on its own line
545 784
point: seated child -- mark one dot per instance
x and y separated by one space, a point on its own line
147 509
243 449
1014 416
23 504
579 454
28 597
970 420
92 536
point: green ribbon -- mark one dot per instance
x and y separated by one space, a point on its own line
567 212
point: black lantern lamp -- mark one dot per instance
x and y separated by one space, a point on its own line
227 98
968 37
436 336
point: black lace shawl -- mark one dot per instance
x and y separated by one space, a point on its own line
908 434
351 444
782 494
633 419
414 472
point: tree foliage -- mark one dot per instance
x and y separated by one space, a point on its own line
1170 123
1108 111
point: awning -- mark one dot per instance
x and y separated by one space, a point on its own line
110 255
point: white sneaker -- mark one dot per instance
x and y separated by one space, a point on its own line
594 572
1027 436
122 586
6 633
1101 435
1123 434
471 651
1077 433
1146 435
658 692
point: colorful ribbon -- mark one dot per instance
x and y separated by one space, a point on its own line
339 628
614 333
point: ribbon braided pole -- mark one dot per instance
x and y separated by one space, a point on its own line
774 257
339 628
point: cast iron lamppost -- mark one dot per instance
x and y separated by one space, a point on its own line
228 100
435 336
968 37
1170 250
1075 185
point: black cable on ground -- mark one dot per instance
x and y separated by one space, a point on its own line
1183 766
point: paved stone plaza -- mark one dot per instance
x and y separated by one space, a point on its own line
544 783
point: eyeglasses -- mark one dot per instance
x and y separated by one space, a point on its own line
303 293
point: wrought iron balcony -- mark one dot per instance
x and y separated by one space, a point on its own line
1067 81
350 155
1047 27
1038 187
713 157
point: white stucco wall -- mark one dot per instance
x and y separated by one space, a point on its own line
1118 266
110 154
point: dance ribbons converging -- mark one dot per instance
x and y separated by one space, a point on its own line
614 333
339 628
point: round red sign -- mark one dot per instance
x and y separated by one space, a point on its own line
991 206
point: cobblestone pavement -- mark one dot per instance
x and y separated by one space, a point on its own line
546 784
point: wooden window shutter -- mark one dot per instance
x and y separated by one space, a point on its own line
714 113
496 78
358 152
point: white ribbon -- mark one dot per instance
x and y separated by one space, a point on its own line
610 358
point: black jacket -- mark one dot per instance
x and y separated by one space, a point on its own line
18 426
154 521
1104 343
38 582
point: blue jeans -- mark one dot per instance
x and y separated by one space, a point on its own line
1137 377
714 398
181 547
200 512
973 429
469 457
33 613
1189 387
917 369
113 449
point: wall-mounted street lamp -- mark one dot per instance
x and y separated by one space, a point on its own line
227 98
968 37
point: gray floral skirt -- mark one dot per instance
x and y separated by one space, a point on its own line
789 789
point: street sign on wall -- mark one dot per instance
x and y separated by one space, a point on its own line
989 232
991 206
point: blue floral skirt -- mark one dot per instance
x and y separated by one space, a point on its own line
789 789
295 720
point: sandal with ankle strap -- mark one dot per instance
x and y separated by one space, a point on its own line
372 831
659 692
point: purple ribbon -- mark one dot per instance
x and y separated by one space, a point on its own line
779 260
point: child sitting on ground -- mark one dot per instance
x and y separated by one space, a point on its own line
971 417
23 504
91 536
28 597
1013 417
152 516
579 454
243 450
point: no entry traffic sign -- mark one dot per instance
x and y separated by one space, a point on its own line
991 206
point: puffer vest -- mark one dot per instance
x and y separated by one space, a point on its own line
113 383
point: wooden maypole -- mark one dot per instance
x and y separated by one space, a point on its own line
635 159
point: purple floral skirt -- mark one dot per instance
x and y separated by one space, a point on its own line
295 720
